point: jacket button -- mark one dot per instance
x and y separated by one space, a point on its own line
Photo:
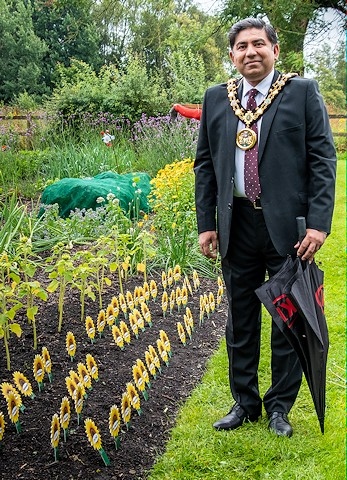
230 206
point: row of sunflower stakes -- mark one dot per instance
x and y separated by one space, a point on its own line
80 382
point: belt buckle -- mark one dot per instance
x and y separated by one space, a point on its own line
257 205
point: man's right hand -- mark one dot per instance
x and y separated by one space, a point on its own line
208 242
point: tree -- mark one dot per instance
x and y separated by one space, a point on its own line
291 20
329 68
21 50
68 29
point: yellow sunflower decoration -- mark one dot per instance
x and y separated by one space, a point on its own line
177 273
13 405
181 333
146 313
71 345
170 277
124 330
126 410
118 337
92 367
115 305
196 280
123 305
187 325
110 315
165 339
130 300
164 280
65 415
146 292
184 295
79 395
156 359
139 381
144 372
150 364
101 322
139 319
71 387
164 303
153 289
114 424
55 435
2 425
133 324
162 351
134 397
190 318
90 328
23 384
212 302
188 285
47 362
94 438
83 373
39 370
172 300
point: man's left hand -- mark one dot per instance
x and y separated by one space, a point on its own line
312 242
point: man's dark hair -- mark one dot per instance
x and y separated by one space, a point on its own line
252 23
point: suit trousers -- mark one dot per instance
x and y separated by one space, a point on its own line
250 255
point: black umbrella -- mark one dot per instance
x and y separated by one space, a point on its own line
294 298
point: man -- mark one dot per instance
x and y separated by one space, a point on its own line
259 166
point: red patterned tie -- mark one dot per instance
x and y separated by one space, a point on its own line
252 185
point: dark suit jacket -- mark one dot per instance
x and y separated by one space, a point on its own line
297 164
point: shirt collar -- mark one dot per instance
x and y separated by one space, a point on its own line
263 86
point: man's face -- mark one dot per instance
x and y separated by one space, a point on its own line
253 54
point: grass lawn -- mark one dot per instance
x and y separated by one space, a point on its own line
197 452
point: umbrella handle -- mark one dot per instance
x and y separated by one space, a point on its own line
301 226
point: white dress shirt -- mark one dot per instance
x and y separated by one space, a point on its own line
263 88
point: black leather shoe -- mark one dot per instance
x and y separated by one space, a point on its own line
235 418
279 424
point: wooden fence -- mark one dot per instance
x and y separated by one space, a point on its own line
18 120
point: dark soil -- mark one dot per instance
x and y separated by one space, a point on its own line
29 455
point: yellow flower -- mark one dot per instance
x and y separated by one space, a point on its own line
150 364
126 409
170 277
141 267
178 297
84 375
133 324
162 351
65 413
138 379
187 325
211 301
2 425
140 294
123 304
124 331
196 280
75 377
46 359
134 397
115 305
71 387
117 337
101 321
177 273
184 295
155 357
70 344
114 421
166 342
92 367
172 300
143 370
13 406
55 431
79 394
153 289
188 285
110 315
181 333
23 384
139 319
130 300
92 433
146 292
164 280
164 302
38 368
146 313
90 327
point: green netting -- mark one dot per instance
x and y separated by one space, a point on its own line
82 193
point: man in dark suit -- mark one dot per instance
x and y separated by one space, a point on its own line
265 156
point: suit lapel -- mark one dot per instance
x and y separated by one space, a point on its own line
267 120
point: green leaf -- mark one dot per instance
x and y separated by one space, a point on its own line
16 329
113 267
52 287
31 312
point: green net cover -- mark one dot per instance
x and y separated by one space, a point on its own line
85 193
